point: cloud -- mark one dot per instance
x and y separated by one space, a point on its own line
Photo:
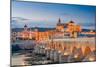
19 22
20 19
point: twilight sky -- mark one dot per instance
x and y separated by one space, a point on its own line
47 15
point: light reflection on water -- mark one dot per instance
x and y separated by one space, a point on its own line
18 60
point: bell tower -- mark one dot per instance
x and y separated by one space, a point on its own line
59 22
25 27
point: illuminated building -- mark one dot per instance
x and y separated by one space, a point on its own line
62 28
69 27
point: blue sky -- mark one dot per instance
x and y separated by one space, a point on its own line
47 15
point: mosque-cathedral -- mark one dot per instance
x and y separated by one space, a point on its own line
69 29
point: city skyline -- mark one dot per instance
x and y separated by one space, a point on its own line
47 14
50 33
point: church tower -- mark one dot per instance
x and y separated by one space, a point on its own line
59 26
25 28
59 22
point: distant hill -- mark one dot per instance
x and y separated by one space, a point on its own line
86 30
41 29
